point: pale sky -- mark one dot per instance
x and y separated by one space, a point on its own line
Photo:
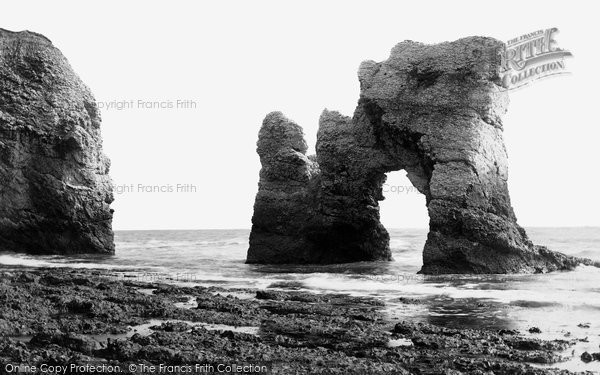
239 60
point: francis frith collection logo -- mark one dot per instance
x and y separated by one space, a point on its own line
531 57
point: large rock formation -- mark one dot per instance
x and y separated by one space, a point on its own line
55 191
431 110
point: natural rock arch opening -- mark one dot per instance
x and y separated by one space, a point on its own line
403 205
403 213
432 110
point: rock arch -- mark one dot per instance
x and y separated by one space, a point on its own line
432 110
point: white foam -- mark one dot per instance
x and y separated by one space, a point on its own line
38 262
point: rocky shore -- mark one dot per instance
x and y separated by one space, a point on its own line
76 318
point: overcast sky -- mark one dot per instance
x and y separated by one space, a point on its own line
239 60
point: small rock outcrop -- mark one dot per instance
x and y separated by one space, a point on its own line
55 191
431 110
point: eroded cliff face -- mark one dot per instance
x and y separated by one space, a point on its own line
55 191
431 110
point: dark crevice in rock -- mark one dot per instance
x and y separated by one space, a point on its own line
425 78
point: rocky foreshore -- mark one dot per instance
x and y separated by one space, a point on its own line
84 320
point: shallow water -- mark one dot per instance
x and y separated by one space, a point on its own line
556 303
146 329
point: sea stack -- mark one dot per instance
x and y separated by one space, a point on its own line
433 111
55 193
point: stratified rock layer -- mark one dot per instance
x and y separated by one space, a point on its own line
55 191
431 110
